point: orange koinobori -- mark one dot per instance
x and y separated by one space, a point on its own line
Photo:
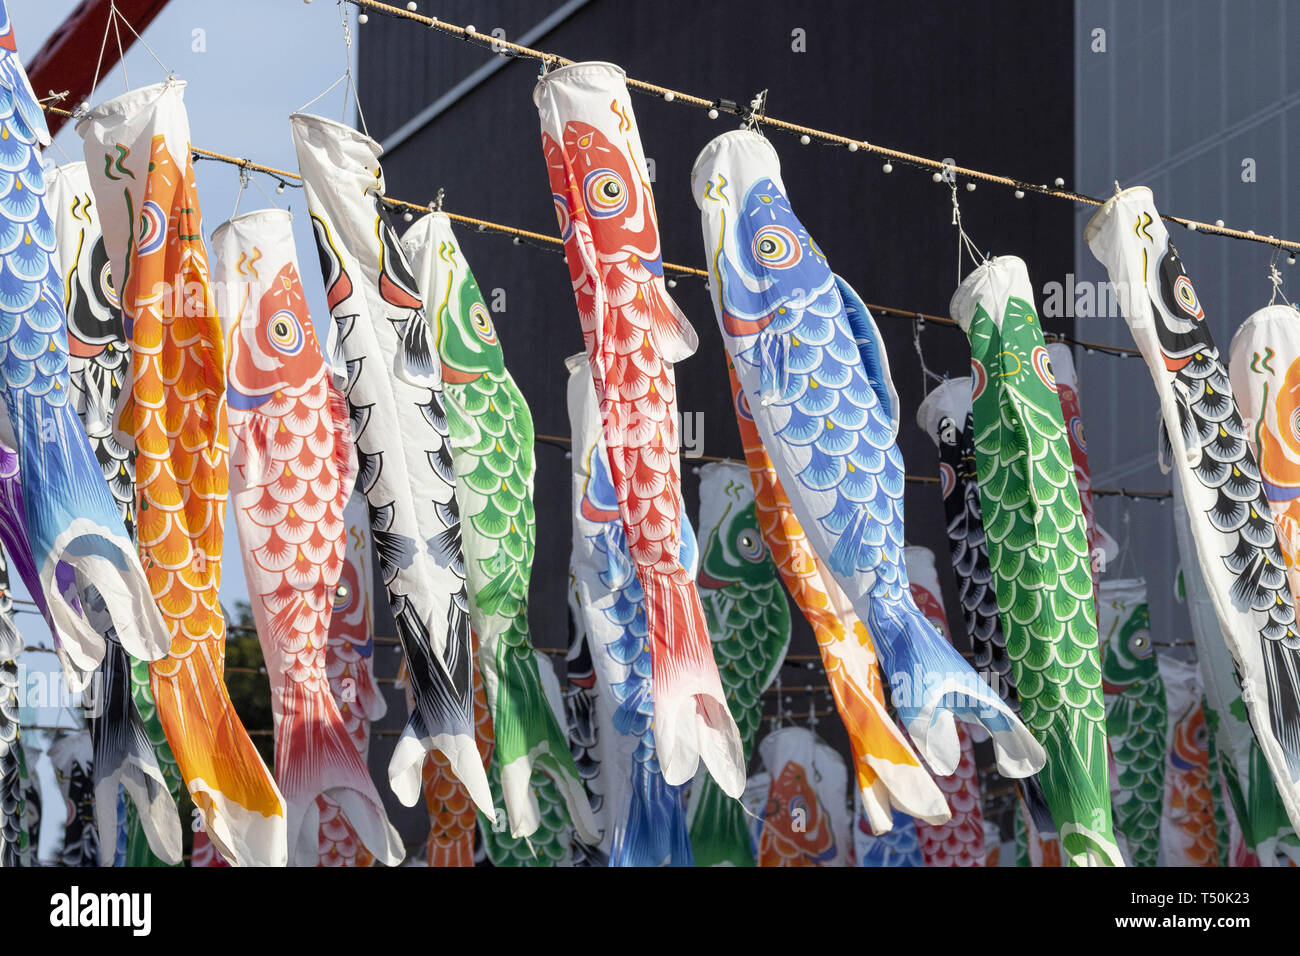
173 412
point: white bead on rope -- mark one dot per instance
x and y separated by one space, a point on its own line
713 113
363 18
888 167
804 139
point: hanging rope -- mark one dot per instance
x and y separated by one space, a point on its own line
554 244
806 134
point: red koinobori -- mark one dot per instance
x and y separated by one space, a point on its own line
634 332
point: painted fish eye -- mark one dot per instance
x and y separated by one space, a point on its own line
1139 644
1042 363
777 247
1076 429
750 546
1201 736
1185 292
1295 424
285 332
562 215
342 597
106 285
482 322
605 192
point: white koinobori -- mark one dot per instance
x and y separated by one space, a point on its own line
1247 785
814 373
292 467
1205 444
398 419
643 818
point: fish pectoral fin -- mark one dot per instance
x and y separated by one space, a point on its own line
844 556
774 365
416 363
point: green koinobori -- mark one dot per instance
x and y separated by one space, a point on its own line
1038 551
552 843
749 623
491 434
1136 715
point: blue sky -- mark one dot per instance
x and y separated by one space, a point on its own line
249 64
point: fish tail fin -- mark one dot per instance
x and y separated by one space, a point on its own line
1280 668
316 757
933 686
125 758
529 737
436 722
720 829
889 773
653 831
692 722
241 806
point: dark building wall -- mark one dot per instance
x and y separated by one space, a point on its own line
989 85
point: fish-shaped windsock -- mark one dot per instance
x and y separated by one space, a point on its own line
634 333
946 415
888 771
127 750
1038 551
1245 778
552 843
11 784
399 421
816 379
70 755
1205 442
292 470
642 815
71 519
491 433
350 667
1136 712
1264 368
172 413
74 536
749 622
898 846
806 818
959 841
1187 834
452 818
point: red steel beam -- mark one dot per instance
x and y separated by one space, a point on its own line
67 60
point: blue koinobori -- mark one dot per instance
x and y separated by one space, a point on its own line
71 514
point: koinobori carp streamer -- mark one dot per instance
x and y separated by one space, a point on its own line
634 332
